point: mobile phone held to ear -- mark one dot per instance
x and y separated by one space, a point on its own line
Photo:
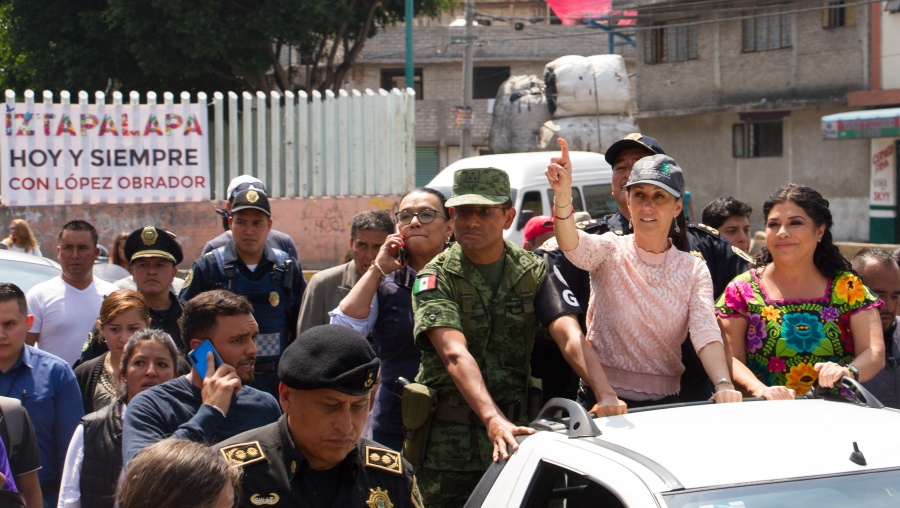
198 357
401 258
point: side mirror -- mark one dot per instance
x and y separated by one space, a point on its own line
523 218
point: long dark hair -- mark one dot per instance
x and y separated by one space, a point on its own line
680 239
827 257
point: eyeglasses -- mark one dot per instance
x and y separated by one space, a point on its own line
426 216
483 212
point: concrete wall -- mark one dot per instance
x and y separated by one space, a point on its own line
822 65
319 226
838 169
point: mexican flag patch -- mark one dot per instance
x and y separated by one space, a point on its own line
425 284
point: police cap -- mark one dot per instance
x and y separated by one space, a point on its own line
251 199
633 140
152 242
330 356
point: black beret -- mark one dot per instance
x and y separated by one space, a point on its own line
152 242
330 356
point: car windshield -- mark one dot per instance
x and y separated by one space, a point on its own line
870 489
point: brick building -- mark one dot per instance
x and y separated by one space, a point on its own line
736 92
501 50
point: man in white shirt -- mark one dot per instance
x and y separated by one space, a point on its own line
66 307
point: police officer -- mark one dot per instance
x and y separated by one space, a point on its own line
314 454
270 278
154 256
723 260
475 308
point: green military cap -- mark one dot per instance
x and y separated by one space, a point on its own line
480 186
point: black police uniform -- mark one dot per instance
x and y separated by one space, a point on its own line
276 474
724 261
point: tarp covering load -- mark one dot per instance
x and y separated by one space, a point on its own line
593 85
588 133
519 110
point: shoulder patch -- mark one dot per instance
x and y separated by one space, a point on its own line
188 279
550 245
425 283
698 254
384 459
704 227
743 255
585 224
243 454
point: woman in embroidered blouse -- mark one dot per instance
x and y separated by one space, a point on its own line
646 294
801 314
122 313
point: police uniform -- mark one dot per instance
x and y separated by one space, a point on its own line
147 242
450 292
275 289
725 262
275 473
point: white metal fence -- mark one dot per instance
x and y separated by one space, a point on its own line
350 143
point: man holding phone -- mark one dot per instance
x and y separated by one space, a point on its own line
211 407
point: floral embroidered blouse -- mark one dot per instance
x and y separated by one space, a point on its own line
785 338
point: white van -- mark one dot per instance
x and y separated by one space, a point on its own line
531 194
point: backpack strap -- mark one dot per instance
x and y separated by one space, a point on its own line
225 270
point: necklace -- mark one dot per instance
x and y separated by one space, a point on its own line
655 274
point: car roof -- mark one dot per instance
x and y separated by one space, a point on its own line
26 258
723 444
527 169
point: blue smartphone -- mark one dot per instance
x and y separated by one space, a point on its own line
198 357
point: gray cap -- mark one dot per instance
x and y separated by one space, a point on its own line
659 170
480 186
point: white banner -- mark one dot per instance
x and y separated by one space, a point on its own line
53 154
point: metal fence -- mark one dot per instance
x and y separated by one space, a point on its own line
352 143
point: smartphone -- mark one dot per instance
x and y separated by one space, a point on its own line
198 357
402 257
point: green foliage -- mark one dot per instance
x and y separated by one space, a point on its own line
188 45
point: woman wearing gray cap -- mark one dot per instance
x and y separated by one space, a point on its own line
646 294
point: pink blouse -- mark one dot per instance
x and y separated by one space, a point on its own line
641 309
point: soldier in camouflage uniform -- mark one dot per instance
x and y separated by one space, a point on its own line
475 308
724 261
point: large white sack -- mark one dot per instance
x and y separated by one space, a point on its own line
593 85
588 133
520 109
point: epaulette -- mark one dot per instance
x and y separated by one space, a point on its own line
243 454
586 223
743 255
703 227
550 245
384 459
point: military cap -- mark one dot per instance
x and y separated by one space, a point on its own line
251 199
244 182
330 356
152 242
480 186
633 140
659 170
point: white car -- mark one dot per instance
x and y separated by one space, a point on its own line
798 453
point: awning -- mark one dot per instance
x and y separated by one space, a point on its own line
871 123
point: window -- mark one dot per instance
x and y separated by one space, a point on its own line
556 486
674 43
396 78
767 29
892 6
599 201
757 139
837 14
576 198
487 80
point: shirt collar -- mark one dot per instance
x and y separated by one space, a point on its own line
26 358
295 461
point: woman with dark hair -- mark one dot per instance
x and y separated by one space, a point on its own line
94 458
647 291
122 313
117 253
801 314
381 302
174 473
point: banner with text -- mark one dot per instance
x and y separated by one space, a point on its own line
88 153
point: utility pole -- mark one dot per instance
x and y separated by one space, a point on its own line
465 139
410 80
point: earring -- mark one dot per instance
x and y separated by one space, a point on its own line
677 229
630 225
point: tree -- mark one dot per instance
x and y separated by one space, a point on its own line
189 45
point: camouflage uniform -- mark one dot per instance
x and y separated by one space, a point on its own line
458 454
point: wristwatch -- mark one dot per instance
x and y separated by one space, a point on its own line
853 370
